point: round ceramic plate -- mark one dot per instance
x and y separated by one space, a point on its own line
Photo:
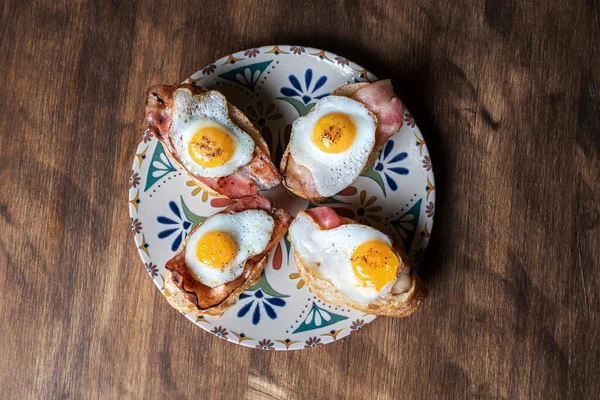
274 85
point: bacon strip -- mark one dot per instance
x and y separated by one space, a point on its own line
250 203
205 297
262 171
326 217
379 97
259 174
299 178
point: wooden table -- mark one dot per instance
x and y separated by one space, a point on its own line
506 93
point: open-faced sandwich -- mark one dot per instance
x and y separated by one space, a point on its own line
223 256
339 138
211 139
353 265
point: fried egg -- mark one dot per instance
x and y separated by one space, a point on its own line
358 260
209 144
216 252
333 142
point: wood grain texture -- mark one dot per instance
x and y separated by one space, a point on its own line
507 95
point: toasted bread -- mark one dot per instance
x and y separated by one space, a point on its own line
393 305
347 91
179 299
238 118
185 292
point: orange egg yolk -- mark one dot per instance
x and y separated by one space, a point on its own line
375 264
211 147
334 133
216 249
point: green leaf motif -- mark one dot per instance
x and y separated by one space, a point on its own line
264 285
372 174
247 75
298 105
406 224
318 318
193 218
160 166
288 246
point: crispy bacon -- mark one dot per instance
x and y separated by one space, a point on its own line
159 100
262 171
259 174
234 186
205 297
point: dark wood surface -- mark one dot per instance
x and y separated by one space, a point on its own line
506 94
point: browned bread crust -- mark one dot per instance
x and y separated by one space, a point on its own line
392 305
348 91
235 114
188 295
179 299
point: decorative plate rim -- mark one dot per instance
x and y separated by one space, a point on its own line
195 78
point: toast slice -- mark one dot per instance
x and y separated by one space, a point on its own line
190 296
347 91
396 303
155 96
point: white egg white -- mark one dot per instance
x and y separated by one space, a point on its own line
334 172
328 254
190 115
251 230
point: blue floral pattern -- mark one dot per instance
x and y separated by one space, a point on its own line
306 94
261 293
387 166
176 227
258 298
